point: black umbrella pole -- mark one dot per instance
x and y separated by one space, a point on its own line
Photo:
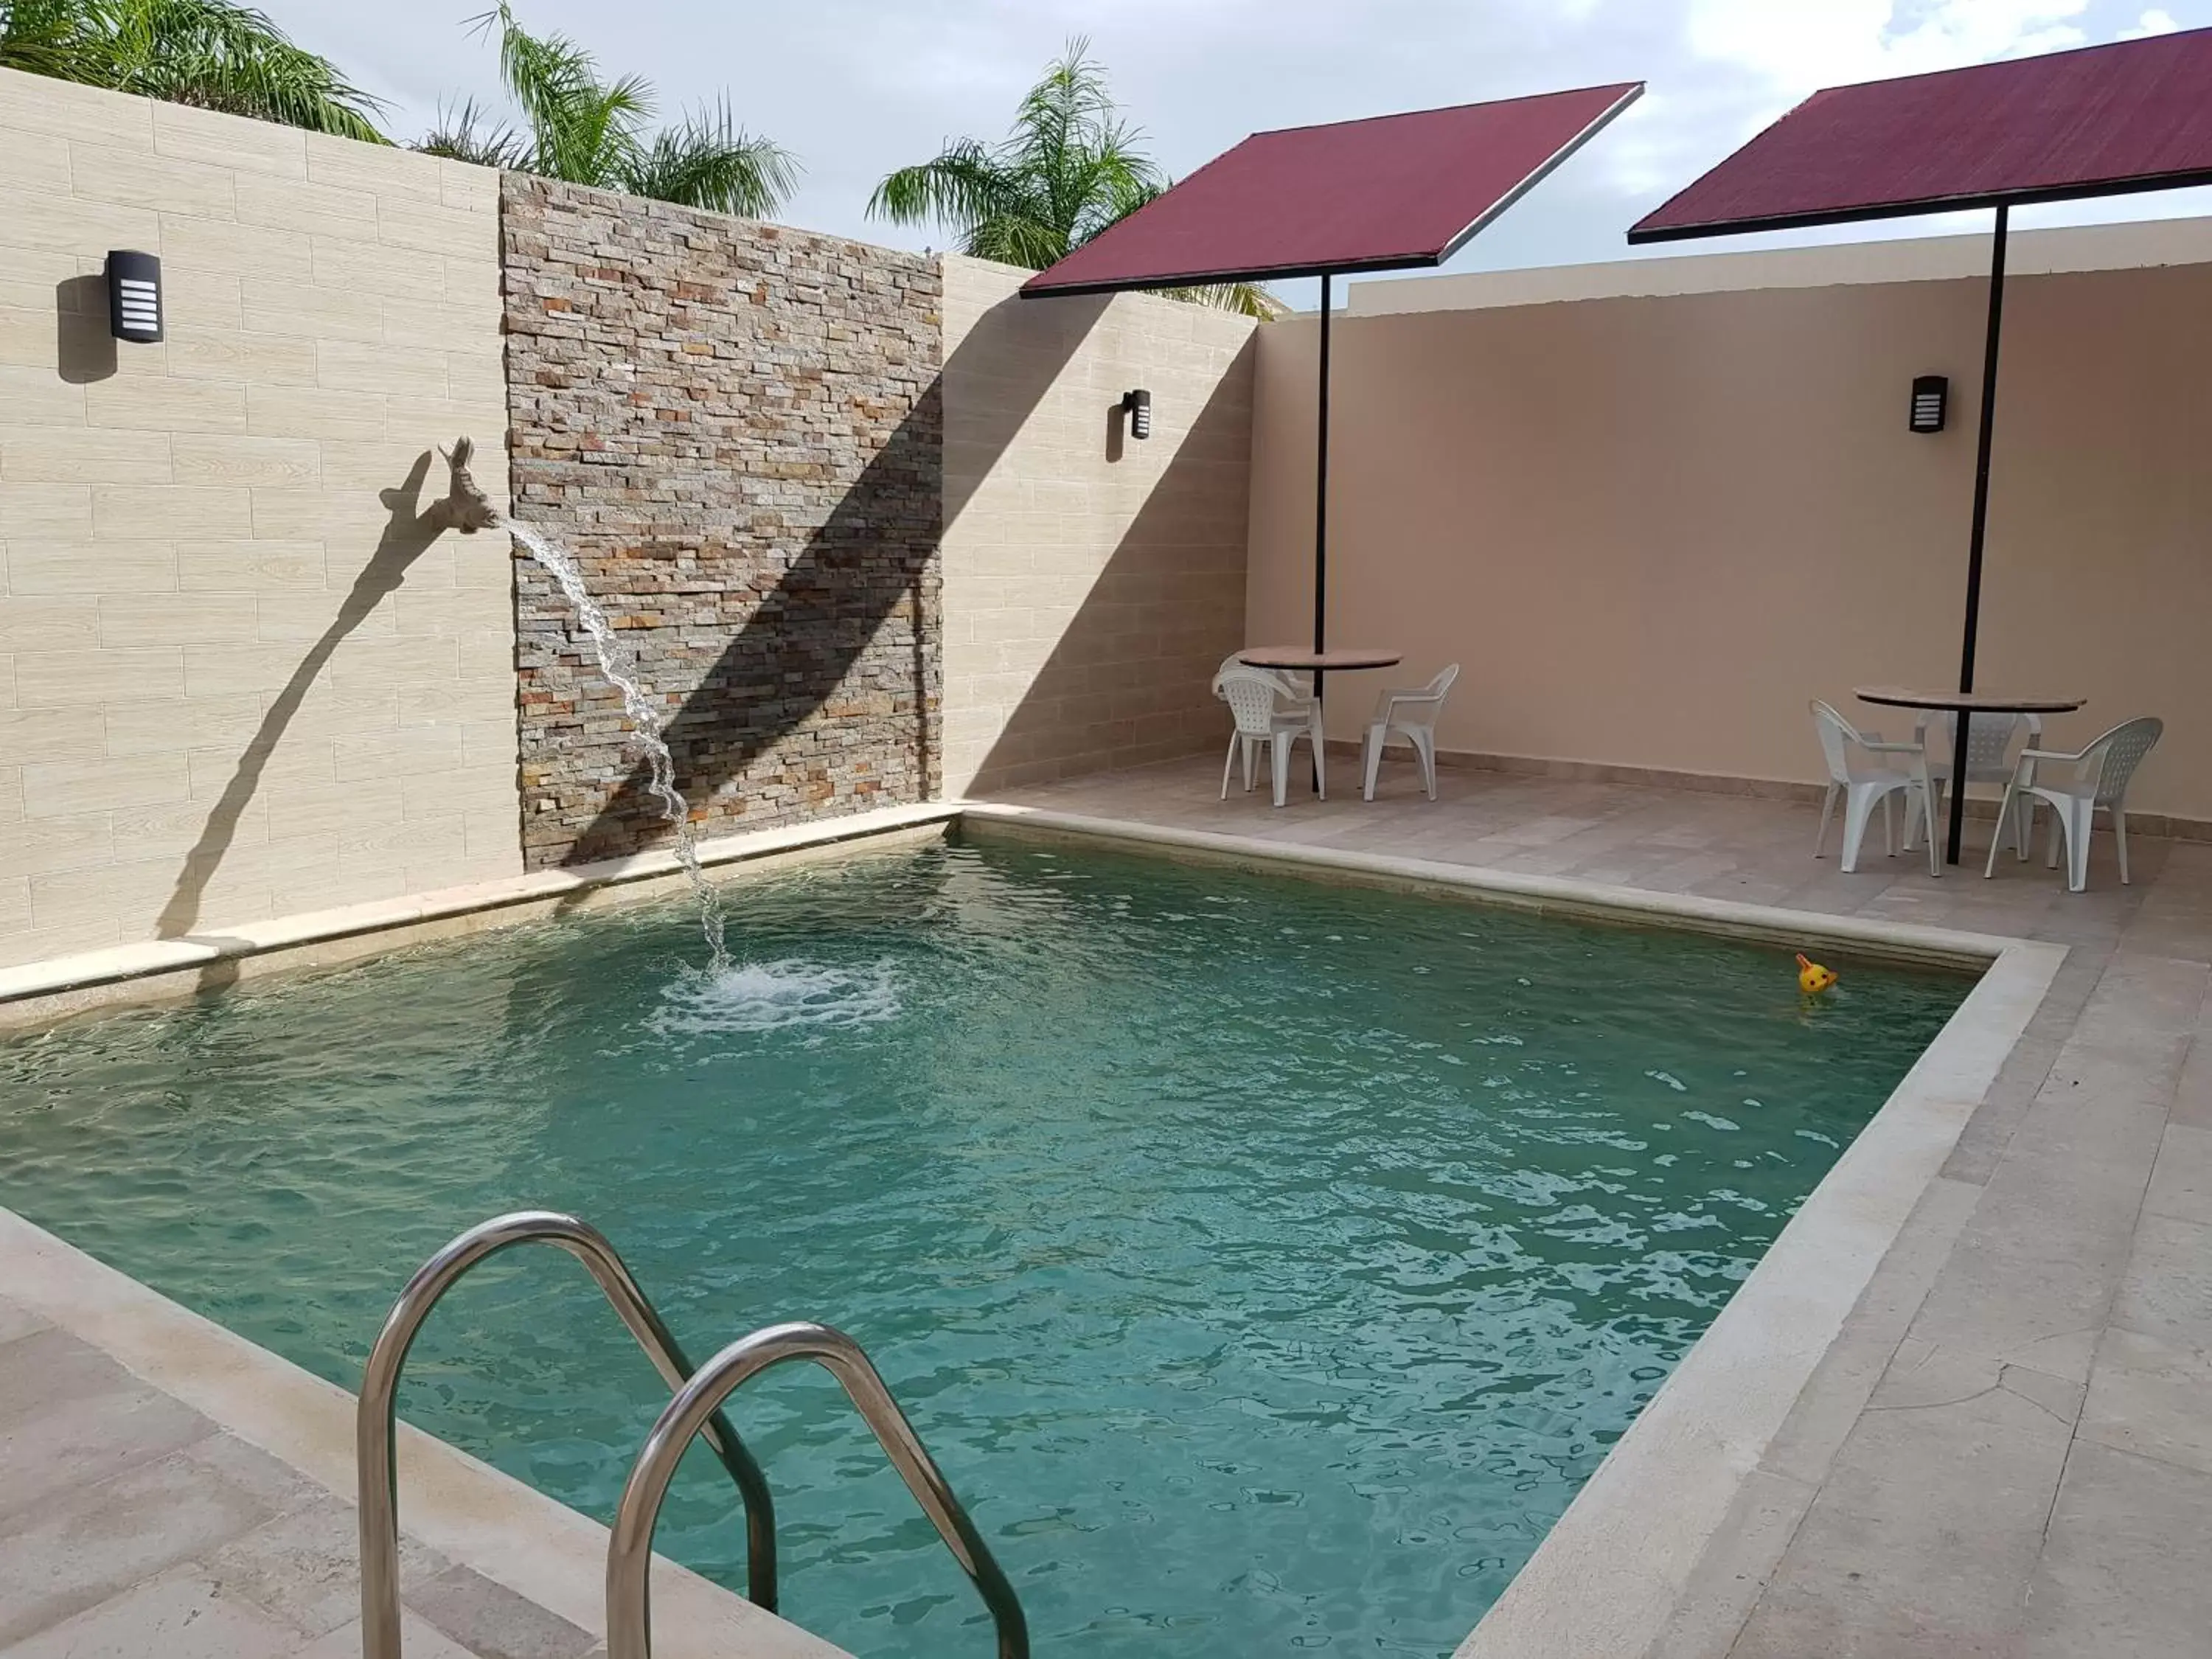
1981 528
1320 517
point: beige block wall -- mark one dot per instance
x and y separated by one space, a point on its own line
1650 528
1092 582
237 678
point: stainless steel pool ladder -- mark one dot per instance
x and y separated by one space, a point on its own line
697 1406
696 1410
375 1426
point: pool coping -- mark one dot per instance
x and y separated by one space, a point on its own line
1604 1580
35 993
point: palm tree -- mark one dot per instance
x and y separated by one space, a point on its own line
589 132
211 53
1069 167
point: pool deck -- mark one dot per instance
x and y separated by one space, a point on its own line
170 1491
131 1524
2008 1452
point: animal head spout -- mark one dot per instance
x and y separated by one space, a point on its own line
464 507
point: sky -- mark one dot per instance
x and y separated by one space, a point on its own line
856 88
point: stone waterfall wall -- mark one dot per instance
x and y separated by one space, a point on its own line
737 429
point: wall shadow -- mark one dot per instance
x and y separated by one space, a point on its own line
84 349
790 655
1129 680
407 533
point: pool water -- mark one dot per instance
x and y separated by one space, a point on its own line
1266 1263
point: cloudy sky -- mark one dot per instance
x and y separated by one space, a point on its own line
855 88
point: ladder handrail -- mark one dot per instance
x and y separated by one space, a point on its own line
375 1422
630 1546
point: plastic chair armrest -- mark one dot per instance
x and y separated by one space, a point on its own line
1397 703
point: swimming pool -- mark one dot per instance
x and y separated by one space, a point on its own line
1266 1263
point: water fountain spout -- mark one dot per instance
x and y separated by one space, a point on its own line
468 509
464 507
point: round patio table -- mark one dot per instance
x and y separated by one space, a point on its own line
1972 703
1969 703
1306 659
1300 659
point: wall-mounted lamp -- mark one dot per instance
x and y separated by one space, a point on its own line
1931 395
134 296
1137 405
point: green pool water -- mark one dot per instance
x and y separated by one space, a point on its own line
1266 1263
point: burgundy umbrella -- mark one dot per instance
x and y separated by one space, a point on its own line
2101 121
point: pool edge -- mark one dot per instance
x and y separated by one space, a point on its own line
166 971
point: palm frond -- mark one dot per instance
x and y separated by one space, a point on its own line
1246 299
709 162
61 38
1068 167
212 53
591 131
961 188
467 132
580 128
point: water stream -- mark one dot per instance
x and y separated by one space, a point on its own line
620 669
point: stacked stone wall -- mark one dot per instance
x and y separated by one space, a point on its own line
736 428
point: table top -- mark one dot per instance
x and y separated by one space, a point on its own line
1978 702
1305 657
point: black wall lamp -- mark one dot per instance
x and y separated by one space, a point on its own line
1931 397
134 296
1137 405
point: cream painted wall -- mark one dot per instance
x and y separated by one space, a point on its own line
235 680
1092 582
1650 528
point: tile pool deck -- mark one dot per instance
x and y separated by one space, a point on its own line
2008 1451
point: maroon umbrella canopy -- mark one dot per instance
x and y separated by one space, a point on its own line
2104 120
1383 194
2101 121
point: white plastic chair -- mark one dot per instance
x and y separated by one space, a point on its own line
2101 774
1862 786
1989 760
1298 686
1412 716
1268 710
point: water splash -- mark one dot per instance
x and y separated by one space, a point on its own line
776 996
621 671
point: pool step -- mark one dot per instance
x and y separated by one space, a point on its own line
696 1410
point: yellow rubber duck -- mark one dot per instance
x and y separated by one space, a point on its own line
1812 978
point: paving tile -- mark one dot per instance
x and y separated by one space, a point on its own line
418 1639
182 1615
302 1567
18 1320
1866 1350
2150 1397
2181 1180
2167 1292
2122 1574
2046 1252
2192 1089
71 1553
1921 1542
70 1417
492 1622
